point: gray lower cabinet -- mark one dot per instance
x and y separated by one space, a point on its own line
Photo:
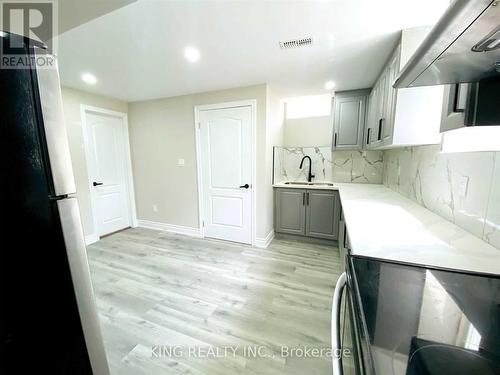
322 214
290 211
311 213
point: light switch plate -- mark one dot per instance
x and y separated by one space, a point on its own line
181 162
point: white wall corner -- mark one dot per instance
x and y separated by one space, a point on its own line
265 242
135 222
91 238
178 229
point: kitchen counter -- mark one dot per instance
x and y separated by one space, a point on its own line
383 224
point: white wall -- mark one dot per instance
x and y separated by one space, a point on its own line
162 131
72 99
308 131
274 137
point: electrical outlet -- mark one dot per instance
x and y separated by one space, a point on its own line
155 208
181 162
463 186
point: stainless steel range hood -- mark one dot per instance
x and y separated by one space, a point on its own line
464 46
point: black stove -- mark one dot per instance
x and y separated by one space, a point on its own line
413 320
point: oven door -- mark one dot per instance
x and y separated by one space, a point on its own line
346 348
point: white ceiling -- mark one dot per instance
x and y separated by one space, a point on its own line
72 13
136 52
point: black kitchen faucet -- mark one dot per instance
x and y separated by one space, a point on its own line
310 176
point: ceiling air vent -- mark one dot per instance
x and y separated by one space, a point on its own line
295 43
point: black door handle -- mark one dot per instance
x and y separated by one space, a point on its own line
97 183
246 186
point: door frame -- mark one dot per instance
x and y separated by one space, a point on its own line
129 178
252 103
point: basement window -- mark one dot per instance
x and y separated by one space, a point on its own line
308 106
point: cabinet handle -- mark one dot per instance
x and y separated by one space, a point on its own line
380 128
335 140
336 344
368 136
303 198
307 200
345 235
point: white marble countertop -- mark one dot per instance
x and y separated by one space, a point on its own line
384 224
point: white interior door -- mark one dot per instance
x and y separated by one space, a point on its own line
226 167
107 172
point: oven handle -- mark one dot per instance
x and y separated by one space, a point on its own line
336 344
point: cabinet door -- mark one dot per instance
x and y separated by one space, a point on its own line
322 214
341 239
382 105
371 120
456 101
349 121
290 211
390 104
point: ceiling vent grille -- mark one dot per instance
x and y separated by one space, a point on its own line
296 43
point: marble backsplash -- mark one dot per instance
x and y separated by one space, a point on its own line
461 187
338 166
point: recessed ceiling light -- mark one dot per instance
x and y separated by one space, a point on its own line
89 78
192 54
329 85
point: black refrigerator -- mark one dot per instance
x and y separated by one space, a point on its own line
48 318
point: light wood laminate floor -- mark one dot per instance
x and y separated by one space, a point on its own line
156 289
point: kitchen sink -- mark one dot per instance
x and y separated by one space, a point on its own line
298 183
304 183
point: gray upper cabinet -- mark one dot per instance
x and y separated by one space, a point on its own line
404 117
290 211
349 119
322 214
471 104
372 116
387 124
381 105
456 99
